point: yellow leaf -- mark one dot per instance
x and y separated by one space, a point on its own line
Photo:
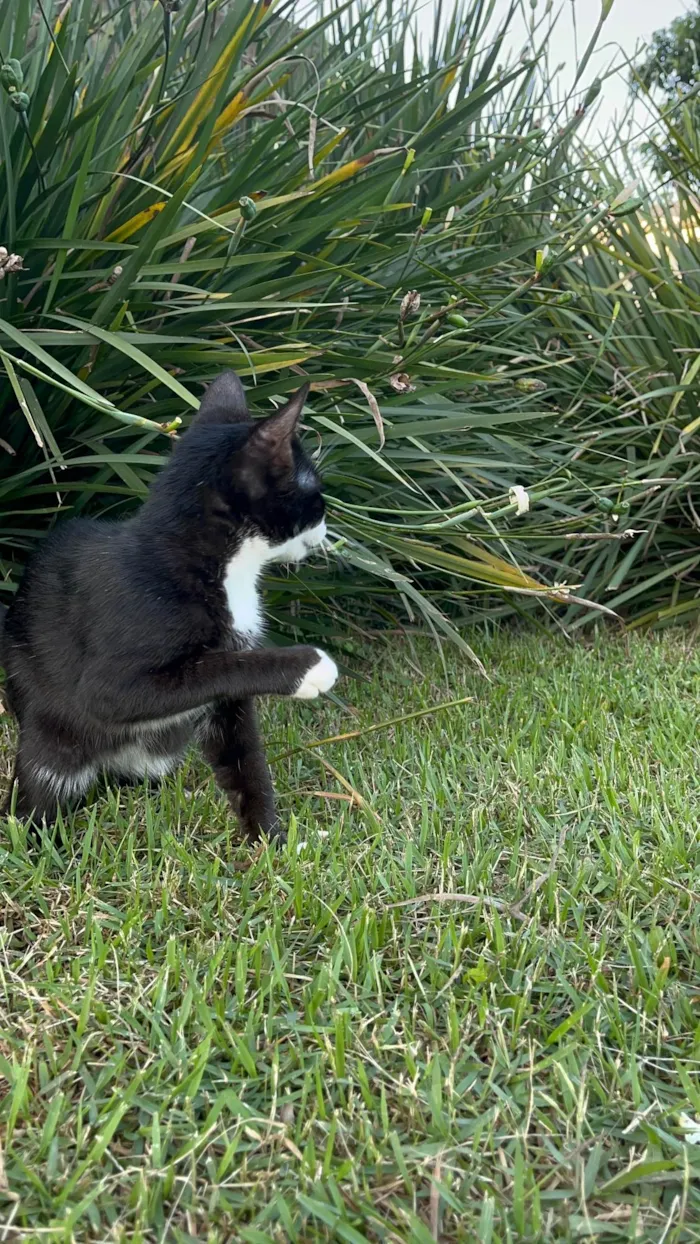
230 113
226 119
322 152
492 559
691 427
233 111
448 79
687 378
204 99
344 173
137 222
293 360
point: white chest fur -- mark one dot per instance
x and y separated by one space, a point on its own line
241 587
244 569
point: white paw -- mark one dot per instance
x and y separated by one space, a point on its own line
319 678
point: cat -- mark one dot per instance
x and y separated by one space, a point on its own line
126 641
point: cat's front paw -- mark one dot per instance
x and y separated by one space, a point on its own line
320 677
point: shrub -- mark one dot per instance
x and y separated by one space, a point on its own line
220 186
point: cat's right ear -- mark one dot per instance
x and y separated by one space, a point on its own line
224 401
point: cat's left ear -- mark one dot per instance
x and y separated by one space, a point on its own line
273 437
224 401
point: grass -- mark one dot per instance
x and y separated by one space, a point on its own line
204 1043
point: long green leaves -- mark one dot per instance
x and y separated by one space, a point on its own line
497 405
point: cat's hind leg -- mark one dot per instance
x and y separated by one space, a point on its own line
45 778
232 745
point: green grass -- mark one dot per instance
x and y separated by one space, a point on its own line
201 1043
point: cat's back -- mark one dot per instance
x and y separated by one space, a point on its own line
96 591
66 582
65 562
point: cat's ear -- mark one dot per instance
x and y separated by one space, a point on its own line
224 401
272 438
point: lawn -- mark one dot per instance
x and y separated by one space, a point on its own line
462 1003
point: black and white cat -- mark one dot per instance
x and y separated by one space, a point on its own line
125 641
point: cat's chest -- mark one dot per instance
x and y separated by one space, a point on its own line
242 593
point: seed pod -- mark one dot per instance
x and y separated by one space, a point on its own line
626 208
529 384
592 93
605 505
544 261
247 208
410 305
457 321
401 383
11 76
9 263
20 101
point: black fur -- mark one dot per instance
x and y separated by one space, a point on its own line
116 625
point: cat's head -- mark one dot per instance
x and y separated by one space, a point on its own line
265 484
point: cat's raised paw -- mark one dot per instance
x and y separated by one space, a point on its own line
320 677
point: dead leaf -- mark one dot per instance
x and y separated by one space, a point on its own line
289 1144
4 1185
313 124
374 407
287 1113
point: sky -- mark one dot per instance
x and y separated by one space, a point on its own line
629 25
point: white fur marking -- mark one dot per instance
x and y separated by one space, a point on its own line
299 547
63 785
241 586
132 760
162 723
320 677
244 570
